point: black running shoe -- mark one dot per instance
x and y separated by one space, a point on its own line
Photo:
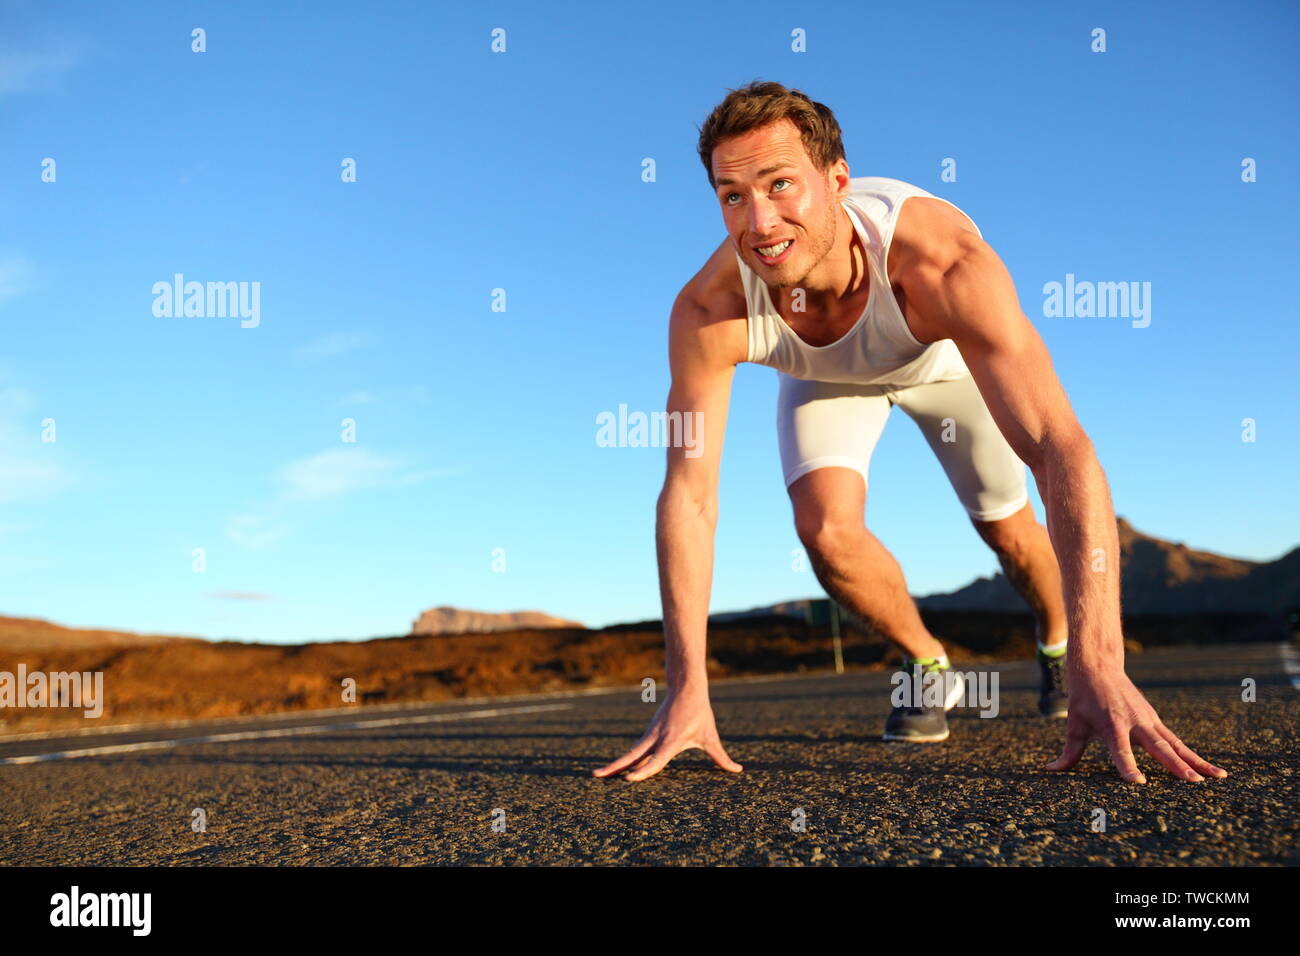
1053 696
921 724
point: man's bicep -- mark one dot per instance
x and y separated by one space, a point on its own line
974 302
697 405
697 412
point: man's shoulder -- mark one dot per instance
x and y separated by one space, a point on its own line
919 227
931 232
931 238
712 302
861 187
880 182
716 290
927 208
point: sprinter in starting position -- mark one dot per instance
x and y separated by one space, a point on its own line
863 300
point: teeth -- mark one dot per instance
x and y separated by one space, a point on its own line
773 251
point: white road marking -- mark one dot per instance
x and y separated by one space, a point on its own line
284 732
289 715
1291 663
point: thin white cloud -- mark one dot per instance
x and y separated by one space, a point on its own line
15 277
337 472
334 344
405 394
16 401
26 479
29 468
241 596
322 477
25 69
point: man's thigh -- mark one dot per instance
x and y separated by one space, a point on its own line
827 424
987 475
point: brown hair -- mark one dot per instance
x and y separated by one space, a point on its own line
764 102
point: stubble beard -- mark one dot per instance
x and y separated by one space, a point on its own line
819 250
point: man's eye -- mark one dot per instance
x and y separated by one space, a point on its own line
727 199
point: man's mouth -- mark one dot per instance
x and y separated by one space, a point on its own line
771 255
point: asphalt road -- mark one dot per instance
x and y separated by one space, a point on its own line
421 786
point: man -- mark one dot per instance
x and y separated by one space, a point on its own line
863 300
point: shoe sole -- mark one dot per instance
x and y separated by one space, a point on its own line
931 739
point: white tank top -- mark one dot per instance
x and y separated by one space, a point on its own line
880 348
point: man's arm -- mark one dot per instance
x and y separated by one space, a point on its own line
702 357
959 288
687 511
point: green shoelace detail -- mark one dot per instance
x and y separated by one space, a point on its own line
927 663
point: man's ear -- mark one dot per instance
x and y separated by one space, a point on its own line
837 178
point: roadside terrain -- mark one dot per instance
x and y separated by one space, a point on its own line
426 785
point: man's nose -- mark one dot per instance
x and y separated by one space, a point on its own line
763 218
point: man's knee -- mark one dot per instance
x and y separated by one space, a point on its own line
1009 536
829 504
827 534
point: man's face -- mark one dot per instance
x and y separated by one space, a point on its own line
771 194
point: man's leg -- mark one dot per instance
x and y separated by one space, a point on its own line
1025 552
851 563
990 482
827 432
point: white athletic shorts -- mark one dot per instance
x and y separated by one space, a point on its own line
822 424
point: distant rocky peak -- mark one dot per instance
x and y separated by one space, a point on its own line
446 619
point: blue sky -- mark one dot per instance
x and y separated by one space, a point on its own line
521 170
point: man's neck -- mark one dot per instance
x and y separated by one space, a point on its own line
840 282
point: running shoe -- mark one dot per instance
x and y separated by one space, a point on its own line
920 724
1053 697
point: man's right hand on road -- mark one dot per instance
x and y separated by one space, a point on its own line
682 722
